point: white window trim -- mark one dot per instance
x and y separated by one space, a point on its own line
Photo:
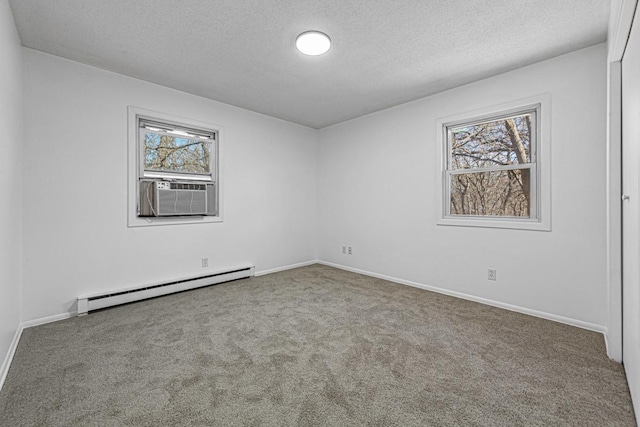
133 170
543 163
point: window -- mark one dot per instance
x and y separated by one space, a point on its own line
173 170
492 172
173 151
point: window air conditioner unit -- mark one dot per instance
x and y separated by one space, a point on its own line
164 198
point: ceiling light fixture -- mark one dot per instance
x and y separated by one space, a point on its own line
313 43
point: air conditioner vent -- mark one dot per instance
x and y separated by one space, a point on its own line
161 198
187 186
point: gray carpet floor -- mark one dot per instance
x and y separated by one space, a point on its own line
314 346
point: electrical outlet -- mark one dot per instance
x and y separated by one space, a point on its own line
350 252
205 262
344 249
492 274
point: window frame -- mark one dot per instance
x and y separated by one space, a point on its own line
539 165
137 172
183 176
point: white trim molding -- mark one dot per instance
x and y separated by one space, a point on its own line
620 20
286 267
6 364
541 314
614 209
45 320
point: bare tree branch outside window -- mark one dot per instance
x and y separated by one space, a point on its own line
484 177
174 154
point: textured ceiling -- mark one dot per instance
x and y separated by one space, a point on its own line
242 52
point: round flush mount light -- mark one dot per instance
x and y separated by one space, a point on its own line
313 43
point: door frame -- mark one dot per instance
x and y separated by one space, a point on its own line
620 20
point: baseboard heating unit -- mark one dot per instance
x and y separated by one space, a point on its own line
88 303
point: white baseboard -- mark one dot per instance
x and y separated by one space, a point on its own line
287 267
48 319
4 370
541 314
616 356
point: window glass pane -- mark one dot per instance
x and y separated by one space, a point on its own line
497 193
495 143
176 154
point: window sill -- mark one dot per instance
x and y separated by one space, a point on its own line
513 224
158 221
